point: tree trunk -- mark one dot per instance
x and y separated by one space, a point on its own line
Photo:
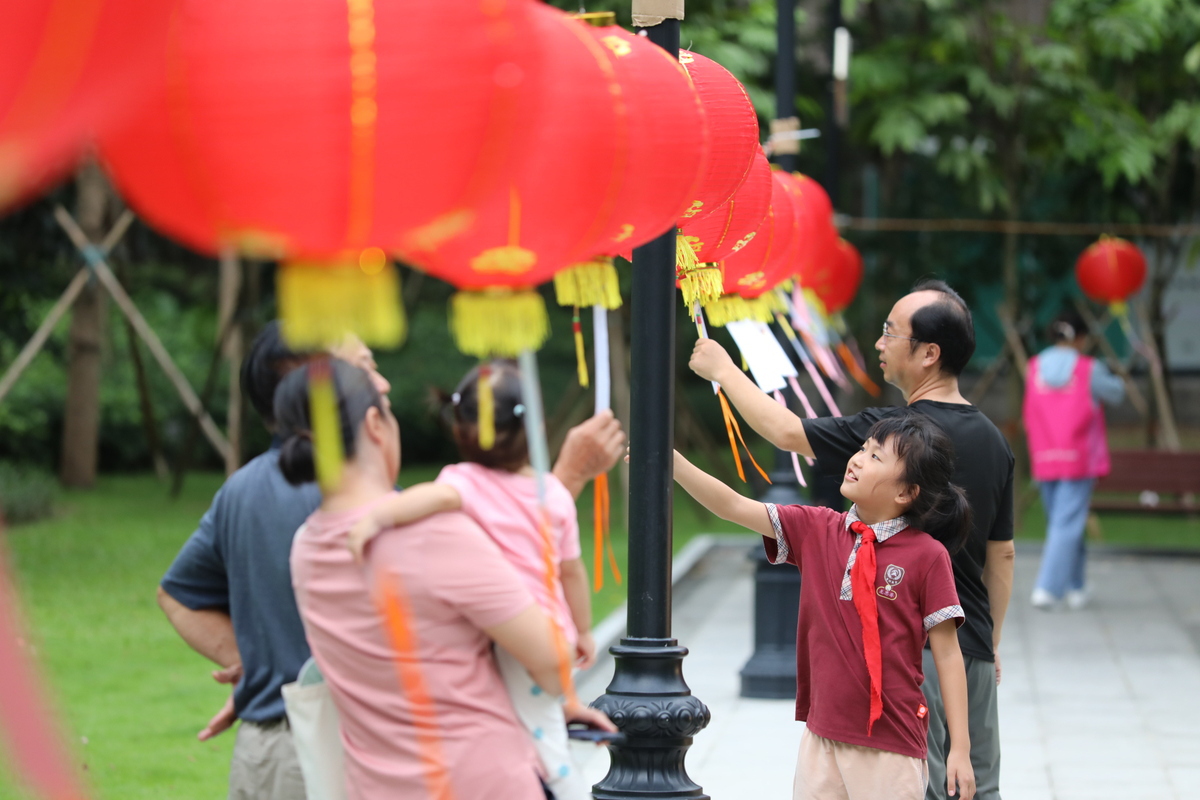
81 418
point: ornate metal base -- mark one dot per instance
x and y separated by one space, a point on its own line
653 706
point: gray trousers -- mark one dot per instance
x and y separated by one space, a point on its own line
983 724
264 765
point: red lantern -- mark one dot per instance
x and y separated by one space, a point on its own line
715 236
69 70
733 133
842 282
325 131
1111 270
662 122
760 265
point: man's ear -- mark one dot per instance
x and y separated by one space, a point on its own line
933 352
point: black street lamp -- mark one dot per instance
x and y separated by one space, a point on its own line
647 697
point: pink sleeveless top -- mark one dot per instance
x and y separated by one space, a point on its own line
1065 426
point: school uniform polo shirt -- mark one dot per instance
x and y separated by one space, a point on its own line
914 588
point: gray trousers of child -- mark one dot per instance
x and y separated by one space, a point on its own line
983 723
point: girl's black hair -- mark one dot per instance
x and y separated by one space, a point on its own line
355 395
510 451
940 507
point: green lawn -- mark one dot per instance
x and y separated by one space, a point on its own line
122 679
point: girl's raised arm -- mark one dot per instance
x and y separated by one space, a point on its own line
721 499
403 508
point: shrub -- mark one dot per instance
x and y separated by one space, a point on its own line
26 493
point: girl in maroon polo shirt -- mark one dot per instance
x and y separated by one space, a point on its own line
877 584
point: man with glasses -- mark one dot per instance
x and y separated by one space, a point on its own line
927 340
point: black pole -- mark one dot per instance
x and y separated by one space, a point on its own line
785 78
648 698
833 128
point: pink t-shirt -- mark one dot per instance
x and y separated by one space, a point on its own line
485 750
506 506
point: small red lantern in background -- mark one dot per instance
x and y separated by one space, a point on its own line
661 121
842 281
323 131
1111 270
818 237
69 70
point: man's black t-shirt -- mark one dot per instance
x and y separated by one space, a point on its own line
984 469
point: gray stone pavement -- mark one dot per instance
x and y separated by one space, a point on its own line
1096 704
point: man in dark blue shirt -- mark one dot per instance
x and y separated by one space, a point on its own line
229 591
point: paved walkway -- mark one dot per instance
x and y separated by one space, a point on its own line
1102 703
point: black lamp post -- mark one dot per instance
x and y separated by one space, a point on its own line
648 698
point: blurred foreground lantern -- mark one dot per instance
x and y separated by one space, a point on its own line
733 146
69 70
320 133
1110 271
661 120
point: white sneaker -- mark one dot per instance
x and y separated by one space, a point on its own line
1078 599
1043 600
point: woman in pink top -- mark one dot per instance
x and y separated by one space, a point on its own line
424 713
496 486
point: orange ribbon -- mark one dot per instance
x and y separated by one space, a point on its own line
601 506
732 428
856 371
553 581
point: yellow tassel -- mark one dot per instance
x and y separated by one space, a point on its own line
328 456
320 303
732 307
772 302
485 402
697 280
580 357
591 283
498 322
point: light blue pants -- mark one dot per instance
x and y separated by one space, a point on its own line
1063 558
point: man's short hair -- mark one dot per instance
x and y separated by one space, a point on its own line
947 323
265 365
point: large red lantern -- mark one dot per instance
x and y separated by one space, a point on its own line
842 282
68 70
760 265
1111 270
331 132
660 118
731 227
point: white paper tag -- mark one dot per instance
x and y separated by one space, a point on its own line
764 365
603 363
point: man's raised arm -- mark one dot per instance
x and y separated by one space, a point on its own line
768 418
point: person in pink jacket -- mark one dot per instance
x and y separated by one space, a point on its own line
1068 451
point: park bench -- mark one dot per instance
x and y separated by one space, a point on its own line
1151 481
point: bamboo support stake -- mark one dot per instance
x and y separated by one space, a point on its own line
1170 432
147 334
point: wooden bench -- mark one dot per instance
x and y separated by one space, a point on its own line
1150 481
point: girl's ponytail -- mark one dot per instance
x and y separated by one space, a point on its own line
296 460
949 519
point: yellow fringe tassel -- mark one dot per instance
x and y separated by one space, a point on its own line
731 308
320 303
328 456
485 400
698 280
498 322
580 357
591 283
732 428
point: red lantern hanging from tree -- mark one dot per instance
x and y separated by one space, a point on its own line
68 70
658 170
733 145
1111 270
766 260
331 133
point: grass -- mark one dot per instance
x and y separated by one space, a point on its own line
131 694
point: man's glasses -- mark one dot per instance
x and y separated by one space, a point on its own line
894 336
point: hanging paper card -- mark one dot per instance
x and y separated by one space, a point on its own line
602 366
756 350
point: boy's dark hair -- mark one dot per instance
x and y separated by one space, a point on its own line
510 451
947 323
940 508
1067 326
268 361
355 395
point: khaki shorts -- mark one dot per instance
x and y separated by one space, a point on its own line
264 765
829 770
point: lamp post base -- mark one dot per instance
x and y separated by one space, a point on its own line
651 704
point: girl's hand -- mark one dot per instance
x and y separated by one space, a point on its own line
585 651
364 531
959 771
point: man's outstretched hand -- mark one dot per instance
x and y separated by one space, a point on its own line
591 447
710 361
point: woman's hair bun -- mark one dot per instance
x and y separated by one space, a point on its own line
296 460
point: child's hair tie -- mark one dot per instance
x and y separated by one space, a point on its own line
518 410
456 398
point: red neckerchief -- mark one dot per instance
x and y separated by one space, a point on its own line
862 582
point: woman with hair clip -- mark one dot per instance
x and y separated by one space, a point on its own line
405 645
1068 450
